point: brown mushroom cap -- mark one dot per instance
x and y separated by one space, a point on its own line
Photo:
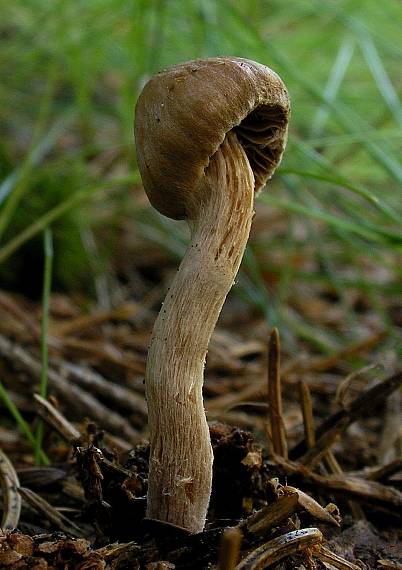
184 113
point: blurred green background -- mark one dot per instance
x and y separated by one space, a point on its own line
70 75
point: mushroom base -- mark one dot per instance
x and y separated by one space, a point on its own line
180 475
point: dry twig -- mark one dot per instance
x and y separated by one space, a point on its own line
11 500
280 547
119 395
312 507
75 396
55 418
49 512
229 549
259 523
382 472
334 560
309 433
345 485
389 565
276 421
360 407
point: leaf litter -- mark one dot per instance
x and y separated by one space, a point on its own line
303 476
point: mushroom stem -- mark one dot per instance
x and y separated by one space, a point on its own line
180 474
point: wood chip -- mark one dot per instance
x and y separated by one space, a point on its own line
115 552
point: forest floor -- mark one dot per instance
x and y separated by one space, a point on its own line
323 266
323 492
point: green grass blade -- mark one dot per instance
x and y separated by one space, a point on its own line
367 232
19 420
336 77
262 299
47 280
344 183
331 172
13 188
381 77
346 117
55 213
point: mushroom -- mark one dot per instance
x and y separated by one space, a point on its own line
209 134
